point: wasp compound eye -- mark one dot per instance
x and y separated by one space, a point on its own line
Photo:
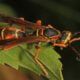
50 32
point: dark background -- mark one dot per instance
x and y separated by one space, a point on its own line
64 14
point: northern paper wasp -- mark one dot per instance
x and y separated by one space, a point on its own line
29 32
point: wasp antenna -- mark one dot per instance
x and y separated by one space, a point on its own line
78 54
76 33
74 39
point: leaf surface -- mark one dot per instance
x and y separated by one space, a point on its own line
23 56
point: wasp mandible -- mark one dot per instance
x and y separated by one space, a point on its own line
28 32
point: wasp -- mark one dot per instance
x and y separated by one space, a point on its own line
28 32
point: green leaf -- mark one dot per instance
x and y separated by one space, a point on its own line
22 55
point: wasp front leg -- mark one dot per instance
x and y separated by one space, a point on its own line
60 44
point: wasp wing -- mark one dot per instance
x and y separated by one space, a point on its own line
7 44
19 21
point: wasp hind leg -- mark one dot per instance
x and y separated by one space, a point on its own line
36 58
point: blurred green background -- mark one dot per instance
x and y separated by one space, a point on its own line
65 14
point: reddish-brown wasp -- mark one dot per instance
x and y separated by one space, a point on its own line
29 32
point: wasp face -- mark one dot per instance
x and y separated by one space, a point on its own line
50 32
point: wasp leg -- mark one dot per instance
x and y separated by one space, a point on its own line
60 45
74 39
36 58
